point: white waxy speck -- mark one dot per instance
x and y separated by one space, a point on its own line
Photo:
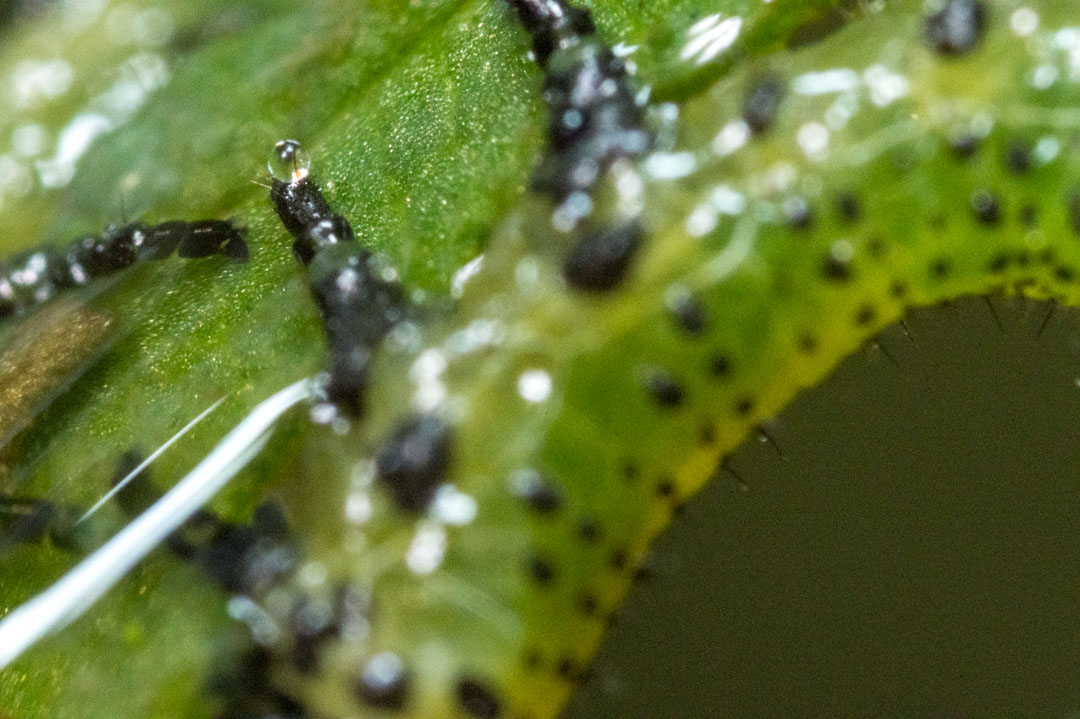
429 365
534 385
152 27
1068 39
15 177
1044 76
780 177
425 373
825 82
312 575
813 138
670 165
477 335
358 507
527 272
78 14
29 140
38 80
1024 21
264 630
140 75
428 548
710 36
731 137
701 221
842 251
1046 149
75 140
624 50
465 273
982 124
886 87
453 507
727 200
841 111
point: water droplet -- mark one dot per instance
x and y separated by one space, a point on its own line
289 162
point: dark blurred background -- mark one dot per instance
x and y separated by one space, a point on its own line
908 547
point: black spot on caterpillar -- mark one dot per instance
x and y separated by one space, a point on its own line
742 224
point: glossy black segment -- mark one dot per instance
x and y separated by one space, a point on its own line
206 238
331 230
477 700
299 204
552 24
957 27
600 261
413 461
358 308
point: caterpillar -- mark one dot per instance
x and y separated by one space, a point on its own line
582 419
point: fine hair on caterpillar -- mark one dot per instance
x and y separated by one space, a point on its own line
484 475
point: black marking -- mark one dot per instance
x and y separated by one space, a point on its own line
836 269
898 289
599 262
666 488
1018 157
964 144
665 390
1029 216
940 268
1065 274
477 700
542 570
719 365
383 682
797 213
588 605
808 344
689 314
567 670
589 530
986 206
865 315
540 496
999 263
762 104
619 560
957 28
848 207
744 407
707 434
630 471
414 460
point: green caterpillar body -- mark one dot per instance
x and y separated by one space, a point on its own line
798 205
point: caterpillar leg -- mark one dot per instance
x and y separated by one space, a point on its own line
29 520
33 277
360 302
